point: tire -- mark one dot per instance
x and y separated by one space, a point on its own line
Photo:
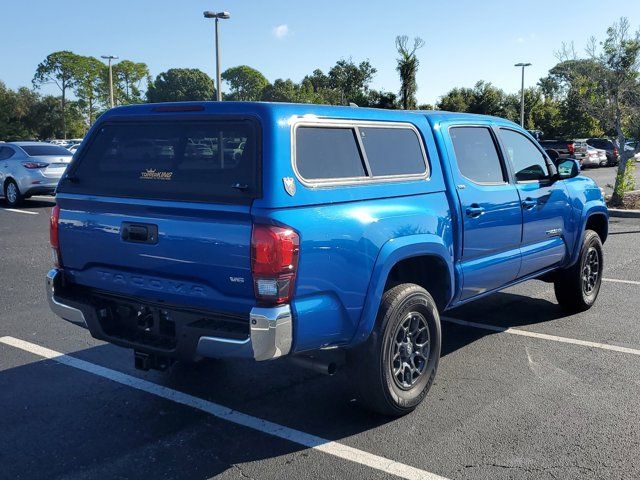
12 194
385 383
577 287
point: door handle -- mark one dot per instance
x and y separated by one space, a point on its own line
139 232
528 203
474 210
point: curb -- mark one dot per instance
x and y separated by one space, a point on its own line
621 213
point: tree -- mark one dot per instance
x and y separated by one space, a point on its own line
181 84
44 118
351 81
483 99
408 68
246 83
318 80
283 91
382 99
565 83
15 110
127 78
456 100
60 69
607 85
88 74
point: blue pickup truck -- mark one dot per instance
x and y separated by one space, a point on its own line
258 230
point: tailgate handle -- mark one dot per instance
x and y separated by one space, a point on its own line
139 232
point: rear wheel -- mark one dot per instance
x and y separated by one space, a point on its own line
12 194
395 368
577 287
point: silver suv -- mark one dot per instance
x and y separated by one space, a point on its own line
30 168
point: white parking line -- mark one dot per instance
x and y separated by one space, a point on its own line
50 198
543 336
615 280
19 211
336 449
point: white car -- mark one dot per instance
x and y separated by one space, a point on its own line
598 153
30 168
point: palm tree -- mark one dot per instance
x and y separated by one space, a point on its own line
407 68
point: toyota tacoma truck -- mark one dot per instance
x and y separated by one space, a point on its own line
260 230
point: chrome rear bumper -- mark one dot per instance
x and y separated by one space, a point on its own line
271 331
270 337
66 312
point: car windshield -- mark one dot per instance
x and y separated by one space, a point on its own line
41 150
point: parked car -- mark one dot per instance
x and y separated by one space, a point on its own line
596 157
30 168
331 235
566 149
613 157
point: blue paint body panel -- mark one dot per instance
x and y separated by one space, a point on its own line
351 236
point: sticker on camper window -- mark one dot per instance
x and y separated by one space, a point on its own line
153 174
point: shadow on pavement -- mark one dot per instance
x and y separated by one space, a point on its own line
500 309
57 421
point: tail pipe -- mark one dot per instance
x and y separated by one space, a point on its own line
325 366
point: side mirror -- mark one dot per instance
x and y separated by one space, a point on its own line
568 168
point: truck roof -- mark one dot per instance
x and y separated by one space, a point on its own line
284 110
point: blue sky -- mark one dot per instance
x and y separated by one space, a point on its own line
465 40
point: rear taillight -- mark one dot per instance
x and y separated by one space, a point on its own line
571 147
274 263
34 165
53 236
615 152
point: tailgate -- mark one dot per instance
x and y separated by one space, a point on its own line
200 256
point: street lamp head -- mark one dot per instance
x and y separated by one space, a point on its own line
210 14
522 65
109 57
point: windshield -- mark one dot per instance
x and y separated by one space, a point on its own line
44 150
191 161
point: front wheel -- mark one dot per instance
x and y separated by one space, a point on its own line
395 367
577 287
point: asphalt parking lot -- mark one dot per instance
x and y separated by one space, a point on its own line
522 391
606 176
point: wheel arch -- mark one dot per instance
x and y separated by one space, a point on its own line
599 223
404 260
594 218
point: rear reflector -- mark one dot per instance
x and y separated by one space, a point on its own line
274 262
53 236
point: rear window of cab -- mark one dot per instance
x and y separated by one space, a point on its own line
334 153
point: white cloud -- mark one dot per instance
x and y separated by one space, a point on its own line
281 31
520 40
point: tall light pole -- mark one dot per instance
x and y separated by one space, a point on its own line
217 16
110 57
523 65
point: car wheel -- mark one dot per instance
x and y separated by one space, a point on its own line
394 369
12 194
577 288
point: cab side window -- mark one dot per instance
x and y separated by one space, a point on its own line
477 155
527 160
